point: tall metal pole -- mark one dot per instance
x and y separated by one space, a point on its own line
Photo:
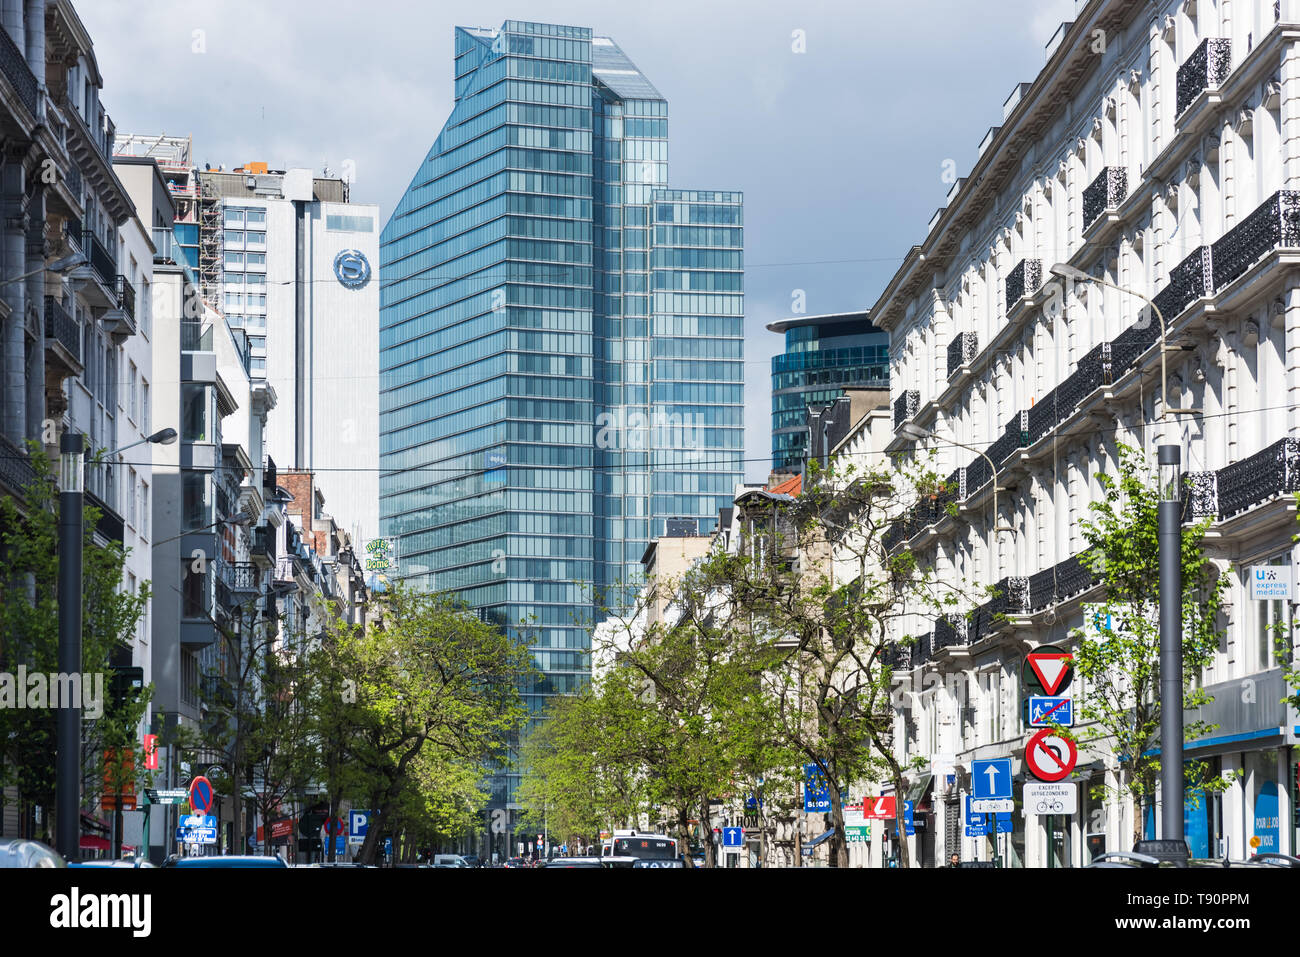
68 724
1171 658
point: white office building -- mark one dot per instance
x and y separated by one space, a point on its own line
1157 150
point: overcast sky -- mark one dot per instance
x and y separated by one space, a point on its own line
839 149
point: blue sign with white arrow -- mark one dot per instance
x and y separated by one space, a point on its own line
733 837
991 780
908 824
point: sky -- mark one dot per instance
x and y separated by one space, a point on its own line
834 117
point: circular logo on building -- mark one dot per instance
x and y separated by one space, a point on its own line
352 268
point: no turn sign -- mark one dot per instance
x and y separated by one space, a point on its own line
1049 756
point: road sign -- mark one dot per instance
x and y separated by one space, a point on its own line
166 795
150 743
992 805
1046 798
1045 711
976 823
1052 668
733 837
196 835
358 824
816 793
199 820
335 826
1049 756
388 847
878 808
909 826
991 780
200 795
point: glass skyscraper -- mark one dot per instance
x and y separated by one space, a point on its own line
561 343
824 355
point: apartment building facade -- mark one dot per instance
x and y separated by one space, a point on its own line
1157 151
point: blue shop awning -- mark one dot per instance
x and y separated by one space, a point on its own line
809 845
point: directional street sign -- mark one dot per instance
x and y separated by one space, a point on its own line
1052 668
992 805
733 837
199 820
1051 798
166 795
1045 711
196 835
878 808
976 824
991 780
1049 756
908 822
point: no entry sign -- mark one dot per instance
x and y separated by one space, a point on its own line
1049 756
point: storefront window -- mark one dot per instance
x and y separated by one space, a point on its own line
1263 824
1203 816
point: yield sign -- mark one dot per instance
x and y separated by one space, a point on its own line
880 808
1049 756
1052 668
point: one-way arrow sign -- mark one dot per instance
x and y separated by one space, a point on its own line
991 780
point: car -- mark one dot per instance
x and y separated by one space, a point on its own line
1269 859
449 860
226 860
122 862
581 862
517 862
473 860
22 852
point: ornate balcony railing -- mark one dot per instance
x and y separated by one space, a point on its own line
1190 280
126 296
962 351
15 469
950 494
1105 192
101 260
264 543
1255 479
1200 496
1042 417
14 66
1131 343
906 406
1208 66
62 327
1276 222
1014 436
1024 280
976 474
949 630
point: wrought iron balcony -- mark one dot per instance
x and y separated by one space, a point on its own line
1014 436
1105 192
101 260
244 577
1276 222
976 474
1200 496
950 494
1042 417
62 328
14 66
949 631
16 471
1274 470
263 544
1207 68
906 406
1024 280
962 351
1190 280
126 296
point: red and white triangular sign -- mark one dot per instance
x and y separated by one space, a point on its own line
1051 668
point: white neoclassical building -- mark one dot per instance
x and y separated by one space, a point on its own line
1158 150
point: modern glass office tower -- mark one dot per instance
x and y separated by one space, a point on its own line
824 355
561 342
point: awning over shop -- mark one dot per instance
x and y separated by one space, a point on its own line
93 842
809 845
920 789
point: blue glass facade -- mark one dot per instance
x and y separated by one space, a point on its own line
824 355
561 345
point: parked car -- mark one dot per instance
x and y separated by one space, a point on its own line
517 862
449 860
122 862
22 852
473 860
226 860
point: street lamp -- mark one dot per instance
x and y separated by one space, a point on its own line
919 433
161 437
1170 536
67 769
1064 271
59 265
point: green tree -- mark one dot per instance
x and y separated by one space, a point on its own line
29 637
431 683
1121 665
